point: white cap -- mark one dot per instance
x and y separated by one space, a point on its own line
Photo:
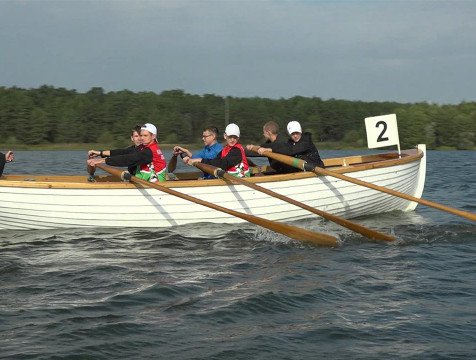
232 129
294 126
150 128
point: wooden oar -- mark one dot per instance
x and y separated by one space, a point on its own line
91 170
288 230
172 164
303 165
219 173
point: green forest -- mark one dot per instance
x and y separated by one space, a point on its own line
49 115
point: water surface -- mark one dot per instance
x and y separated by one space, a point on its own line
241 292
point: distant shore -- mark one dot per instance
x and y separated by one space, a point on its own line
82 146
96 146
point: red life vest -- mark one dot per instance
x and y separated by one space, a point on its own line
156 170
241 169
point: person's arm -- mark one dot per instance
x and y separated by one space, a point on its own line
8 157
115 152
181 150
231 159
281 148
95 153
133 158
250 153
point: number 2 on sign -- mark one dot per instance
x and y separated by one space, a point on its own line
381 137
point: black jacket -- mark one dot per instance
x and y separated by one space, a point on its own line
278 166
279 144
304 149
2 162
130 157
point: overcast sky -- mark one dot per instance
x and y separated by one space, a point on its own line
381 50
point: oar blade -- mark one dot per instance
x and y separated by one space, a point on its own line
287 230
307 235
371 234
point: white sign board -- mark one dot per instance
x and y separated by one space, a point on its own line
382 131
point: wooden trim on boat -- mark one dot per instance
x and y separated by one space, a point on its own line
339 165
366 162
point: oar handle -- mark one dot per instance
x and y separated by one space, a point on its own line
210 169
288 160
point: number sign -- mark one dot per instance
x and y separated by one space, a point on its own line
382 131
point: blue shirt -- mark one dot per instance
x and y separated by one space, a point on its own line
208 152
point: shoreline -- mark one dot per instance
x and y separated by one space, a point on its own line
97 146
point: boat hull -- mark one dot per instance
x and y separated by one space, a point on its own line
64 202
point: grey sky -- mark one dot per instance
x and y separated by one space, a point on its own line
405 51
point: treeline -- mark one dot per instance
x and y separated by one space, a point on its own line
57 115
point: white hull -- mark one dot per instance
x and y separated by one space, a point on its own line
65 202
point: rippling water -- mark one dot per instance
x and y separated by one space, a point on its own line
241 292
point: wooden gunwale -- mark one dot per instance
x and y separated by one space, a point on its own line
339 165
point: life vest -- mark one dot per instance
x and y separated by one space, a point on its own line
156 170
241 169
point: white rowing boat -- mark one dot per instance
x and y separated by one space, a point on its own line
49 202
